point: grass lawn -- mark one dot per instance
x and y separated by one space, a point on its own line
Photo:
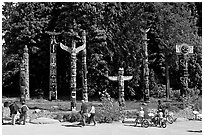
64 105
58 108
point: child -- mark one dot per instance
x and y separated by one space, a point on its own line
141 113
14 108
92 117
24 110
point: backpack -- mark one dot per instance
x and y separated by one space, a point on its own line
24 109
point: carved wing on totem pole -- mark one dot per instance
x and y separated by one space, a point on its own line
144 30
112 78
127 77
52 33
65 48
81 48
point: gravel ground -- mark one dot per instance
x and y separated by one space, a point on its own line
181 127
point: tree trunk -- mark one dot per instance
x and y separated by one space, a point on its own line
167 80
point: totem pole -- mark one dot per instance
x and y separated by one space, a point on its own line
84 67
145 66
53 67
24 75
73 51
184 50
120 78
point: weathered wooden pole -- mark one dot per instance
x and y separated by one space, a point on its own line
184 50
53 67
73 51
120 78
53 70
84 67
145 66
24 75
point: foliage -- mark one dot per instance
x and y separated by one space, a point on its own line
193 98
113 41
175 94
72 117
172 107
158 91
109 111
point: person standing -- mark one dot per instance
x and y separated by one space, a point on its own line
92 117
14 108
160 108
4 105
141 113
24 111
84 112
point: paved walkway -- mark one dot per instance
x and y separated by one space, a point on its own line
117 128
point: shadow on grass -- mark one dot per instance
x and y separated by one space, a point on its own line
6 123
195 131
75 125
72 125
130 125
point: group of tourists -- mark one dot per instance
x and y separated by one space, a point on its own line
14 110
87 117
160 113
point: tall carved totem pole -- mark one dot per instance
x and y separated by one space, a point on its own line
53 67
120 78
145 66
84 67
24 75
184 50
73 51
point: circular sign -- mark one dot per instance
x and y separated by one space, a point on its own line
184 49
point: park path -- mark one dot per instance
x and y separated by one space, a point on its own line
180 127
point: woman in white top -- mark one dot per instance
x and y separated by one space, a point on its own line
141 113
92 116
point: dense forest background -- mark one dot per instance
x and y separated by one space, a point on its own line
113 40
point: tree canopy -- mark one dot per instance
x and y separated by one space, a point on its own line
113 40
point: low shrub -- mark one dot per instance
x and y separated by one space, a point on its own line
175 94
109 111
72 117
158 91
198 104
174 107
58 117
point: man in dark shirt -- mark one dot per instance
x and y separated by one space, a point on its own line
14 108
84 112
160 106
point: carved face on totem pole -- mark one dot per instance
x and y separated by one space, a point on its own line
120 71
